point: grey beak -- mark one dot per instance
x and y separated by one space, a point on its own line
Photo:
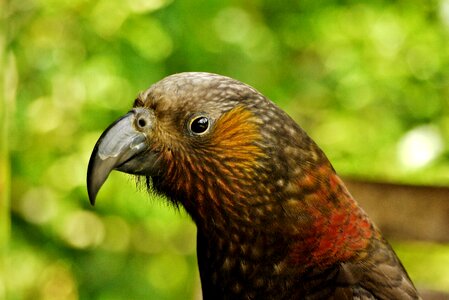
116 149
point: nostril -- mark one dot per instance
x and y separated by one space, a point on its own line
141 122
142 118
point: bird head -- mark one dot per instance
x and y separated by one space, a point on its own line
209 142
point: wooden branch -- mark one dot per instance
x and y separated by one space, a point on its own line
405 212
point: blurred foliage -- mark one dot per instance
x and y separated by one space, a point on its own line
367 79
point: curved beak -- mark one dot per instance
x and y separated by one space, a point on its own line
121 147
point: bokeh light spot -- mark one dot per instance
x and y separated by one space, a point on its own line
444 12
107 17
67 173
38 205
420 146
43 115
387 35
144 6
148 38
58 283
233 25
83 229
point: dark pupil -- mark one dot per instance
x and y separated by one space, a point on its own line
200 125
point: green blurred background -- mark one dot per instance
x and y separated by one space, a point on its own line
369 81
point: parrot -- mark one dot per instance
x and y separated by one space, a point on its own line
273 218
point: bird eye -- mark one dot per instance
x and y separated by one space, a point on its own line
142 123
199 125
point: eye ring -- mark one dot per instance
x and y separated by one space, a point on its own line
199 125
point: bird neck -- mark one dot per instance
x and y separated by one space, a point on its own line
290 244
318 225
304 214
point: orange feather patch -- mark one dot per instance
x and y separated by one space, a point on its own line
236 134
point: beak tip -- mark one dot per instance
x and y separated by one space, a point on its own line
96 176
91 191
92 199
